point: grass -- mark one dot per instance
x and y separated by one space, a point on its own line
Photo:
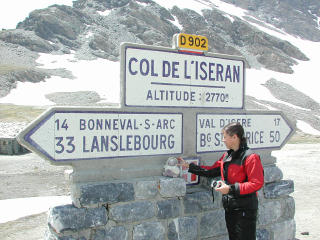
304 139
15 113
4 69
18 113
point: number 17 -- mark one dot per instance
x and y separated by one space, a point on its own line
276 121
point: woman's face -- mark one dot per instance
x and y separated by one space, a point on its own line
231 142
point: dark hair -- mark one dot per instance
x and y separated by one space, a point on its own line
236 128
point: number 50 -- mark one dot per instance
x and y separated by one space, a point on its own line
274 136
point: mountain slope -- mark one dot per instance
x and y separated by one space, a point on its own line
93 29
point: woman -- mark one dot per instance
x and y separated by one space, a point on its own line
241 173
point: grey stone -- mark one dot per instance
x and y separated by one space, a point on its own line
62 29
199 202
272 174
146 189
56 21
225 237
172 187
10 79
68 217
111 233
261 198
81 98
104 193
170 208
262 234
26 38
288 208
184 228
284 230
284 92
132 212
50 236
149 231
213 224
269 212
278 189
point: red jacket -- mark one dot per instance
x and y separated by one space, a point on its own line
243 171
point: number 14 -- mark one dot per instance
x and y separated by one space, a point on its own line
63 125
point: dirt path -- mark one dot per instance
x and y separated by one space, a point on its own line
301 164
29 176
26 228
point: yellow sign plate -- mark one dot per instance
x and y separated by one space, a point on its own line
194 42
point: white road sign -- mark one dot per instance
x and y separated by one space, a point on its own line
64 135
163 77
262 130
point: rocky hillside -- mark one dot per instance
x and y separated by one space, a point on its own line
94 28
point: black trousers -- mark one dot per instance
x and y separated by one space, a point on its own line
241 224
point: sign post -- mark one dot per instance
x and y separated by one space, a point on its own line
63 135
174 101
189 42
263 130
164 77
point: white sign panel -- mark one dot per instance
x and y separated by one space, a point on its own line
78 135
264 130
154 77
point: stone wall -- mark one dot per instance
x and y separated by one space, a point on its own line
165 208
10 146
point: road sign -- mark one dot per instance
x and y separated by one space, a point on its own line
69 135
192 42
263 130
164 77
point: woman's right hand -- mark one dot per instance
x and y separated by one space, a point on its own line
182 162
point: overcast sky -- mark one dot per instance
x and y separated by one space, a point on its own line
14 11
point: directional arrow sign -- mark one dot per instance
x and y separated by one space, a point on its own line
263 130
69 135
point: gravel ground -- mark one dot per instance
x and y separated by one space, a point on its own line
299 162
11 129
30 176
25 176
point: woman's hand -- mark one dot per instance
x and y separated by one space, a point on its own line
182 162
223 188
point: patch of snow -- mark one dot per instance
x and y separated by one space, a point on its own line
230 17
266 105
305 127
89 34
176 22
193 5
302 79
229 8
104 13
143 4
101 76
12 209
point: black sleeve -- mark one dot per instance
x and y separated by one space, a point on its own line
195 169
